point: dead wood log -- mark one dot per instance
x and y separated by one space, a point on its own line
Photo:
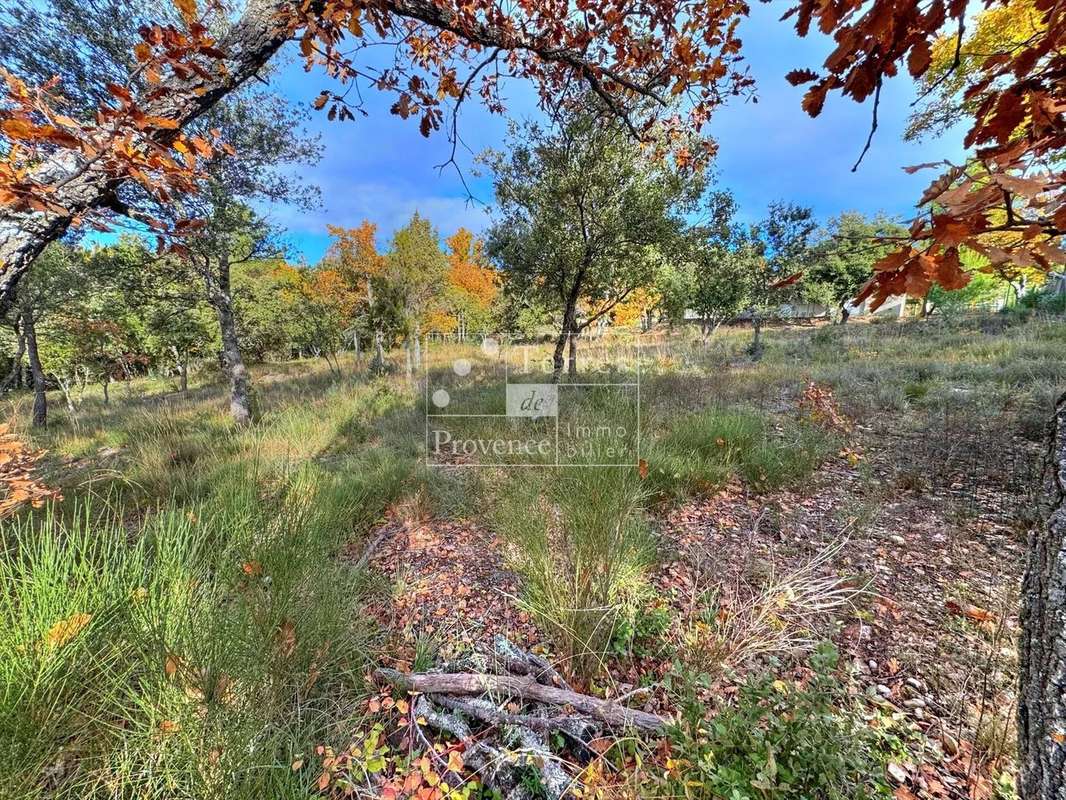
488 712
497 770
521 662
527 688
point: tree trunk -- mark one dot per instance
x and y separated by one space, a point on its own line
82 187
240 403
40 399
569 323
844 314
756 338
573 354
107 386
407 360
1042 647
418 346
182 361
377 366
559 352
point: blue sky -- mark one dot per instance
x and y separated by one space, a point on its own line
381 168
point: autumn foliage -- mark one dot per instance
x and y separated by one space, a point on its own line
1007 202
17 464
634 56
129 138
661 66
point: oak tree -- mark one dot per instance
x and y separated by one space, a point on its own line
582 218
62 171
1006 202
842 259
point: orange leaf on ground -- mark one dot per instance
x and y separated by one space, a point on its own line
66 629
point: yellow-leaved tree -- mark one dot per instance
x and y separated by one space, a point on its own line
472 288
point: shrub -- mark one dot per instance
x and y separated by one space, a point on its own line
579 540
1042 300
778 739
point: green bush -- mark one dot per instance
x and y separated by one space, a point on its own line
777 740
1041 300
640 631
579 539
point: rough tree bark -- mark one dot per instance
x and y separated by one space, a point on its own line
572 369
81 187
527 688
40 398
1042 656
569 324
240 404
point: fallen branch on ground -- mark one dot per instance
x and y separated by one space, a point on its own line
487 712
526 688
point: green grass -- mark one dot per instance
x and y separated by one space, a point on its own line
579 540
194 660
181 626
185 542
701 451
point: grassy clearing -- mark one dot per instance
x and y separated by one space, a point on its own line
194 660
181 625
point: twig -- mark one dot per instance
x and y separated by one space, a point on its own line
370 548
873 126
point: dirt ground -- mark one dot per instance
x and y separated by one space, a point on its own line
929 640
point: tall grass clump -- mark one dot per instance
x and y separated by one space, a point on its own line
701 451
579 539
731 626
195 656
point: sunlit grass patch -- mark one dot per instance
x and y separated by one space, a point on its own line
702 451
580 541
195 659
